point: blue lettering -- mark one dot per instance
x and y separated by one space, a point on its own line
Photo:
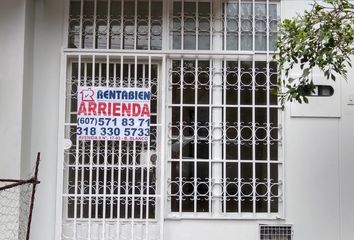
99 94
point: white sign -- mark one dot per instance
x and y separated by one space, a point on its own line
106 113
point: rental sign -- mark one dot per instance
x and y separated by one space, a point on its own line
106 113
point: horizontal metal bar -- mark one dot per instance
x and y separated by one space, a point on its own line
235 53
19 183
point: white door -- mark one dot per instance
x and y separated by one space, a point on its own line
112 189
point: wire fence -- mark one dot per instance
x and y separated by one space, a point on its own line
16 206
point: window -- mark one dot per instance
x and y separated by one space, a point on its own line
224 133
224 138
215 149
110 24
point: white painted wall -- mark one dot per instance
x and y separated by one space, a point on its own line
319 151
12 30
48 36
346 160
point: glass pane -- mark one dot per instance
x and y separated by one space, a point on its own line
232 26
273 24
101 24
261 26
204 25
156 26
87 23
74 24
176 25
143 25
189 37
129 25
115 25
246 26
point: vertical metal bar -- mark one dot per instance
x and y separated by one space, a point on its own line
148 163
239 25
166 11
105 155
113 143
163 146
211 30
225 25
94 34
197 25
108 23
253 137
34 184
82 179
111 192
81 22
97 147
210 129
224 159
282 132
128 158
136 24
119 160
141 160
90 170
182 25
149 26
134 168
181 137
239 141
122 27
268 114
195 135
253 25
81 193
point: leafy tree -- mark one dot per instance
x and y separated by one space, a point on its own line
322 37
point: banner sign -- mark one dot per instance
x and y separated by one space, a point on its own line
107 113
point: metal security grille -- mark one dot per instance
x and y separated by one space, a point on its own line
276 232
220 137
111 24
243 25
112 188
224 137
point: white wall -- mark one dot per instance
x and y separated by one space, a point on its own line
346 160
46 70
12 30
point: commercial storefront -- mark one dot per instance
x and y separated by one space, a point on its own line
212 154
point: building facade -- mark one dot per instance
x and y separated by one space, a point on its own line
221 159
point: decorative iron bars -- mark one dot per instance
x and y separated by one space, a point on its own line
110 24
16 206
111 188
224 137
243 25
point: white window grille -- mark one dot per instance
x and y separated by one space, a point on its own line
276 232
224 139
111 186
220 137
244 25
110 24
